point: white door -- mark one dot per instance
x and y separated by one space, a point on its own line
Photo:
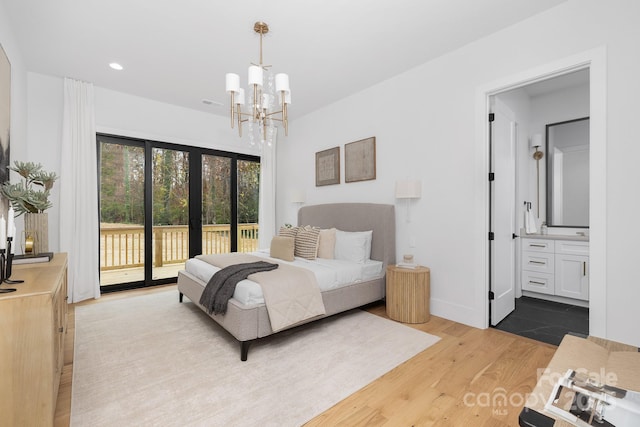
503 212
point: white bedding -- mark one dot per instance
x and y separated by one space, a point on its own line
330 274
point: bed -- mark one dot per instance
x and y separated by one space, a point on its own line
249 320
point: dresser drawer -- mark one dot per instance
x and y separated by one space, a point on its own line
538 282
538 245
540 262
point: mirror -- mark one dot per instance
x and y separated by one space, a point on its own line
568 173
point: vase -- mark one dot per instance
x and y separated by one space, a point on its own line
37 225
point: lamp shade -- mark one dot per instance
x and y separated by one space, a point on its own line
408 189
232 82
536 141
282 82
255 75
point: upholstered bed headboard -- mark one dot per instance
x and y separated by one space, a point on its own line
358 217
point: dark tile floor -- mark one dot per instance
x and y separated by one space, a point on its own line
546 321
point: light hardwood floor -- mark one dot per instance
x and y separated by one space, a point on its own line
471 377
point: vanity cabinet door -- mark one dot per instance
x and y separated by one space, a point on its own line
572 276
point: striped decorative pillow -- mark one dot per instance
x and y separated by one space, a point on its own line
288 231
307 242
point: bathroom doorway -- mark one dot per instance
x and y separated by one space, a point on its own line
520 192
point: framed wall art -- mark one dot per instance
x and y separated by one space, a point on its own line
360 160
328 167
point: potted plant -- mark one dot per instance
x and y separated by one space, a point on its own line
30 196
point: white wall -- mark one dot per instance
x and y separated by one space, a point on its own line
127 115
424 122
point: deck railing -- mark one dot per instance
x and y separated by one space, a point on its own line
123 246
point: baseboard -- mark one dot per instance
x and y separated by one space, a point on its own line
458 313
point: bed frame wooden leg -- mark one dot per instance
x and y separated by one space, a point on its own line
244 350
181 295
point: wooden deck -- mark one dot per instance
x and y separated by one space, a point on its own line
126 275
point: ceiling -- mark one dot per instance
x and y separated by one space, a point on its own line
179 51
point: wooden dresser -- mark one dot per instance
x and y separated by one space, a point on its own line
33 325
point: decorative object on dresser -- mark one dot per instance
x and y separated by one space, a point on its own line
408 293
32 259
360 160
7 250
36 226
328 167
27 198
262 99
33 325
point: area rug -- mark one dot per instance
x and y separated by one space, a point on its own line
149 360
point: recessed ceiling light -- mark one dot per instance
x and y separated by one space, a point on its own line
116 66
211 102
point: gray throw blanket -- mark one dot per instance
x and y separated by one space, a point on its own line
219 290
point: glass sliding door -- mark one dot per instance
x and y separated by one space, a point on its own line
248 173
161 204
170 216
216 204
122 218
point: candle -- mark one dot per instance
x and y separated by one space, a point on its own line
3 233
11 225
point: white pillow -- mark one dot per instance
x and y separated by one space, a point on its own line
353 246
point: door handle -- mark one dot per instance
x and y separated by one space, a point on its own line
514 236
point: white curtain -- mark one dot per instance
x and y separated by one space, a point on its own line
267 208
79 225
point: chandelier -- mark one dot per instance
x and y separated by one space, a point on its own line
263 107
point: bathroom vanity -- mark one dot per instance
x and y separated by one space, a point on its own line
556 268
